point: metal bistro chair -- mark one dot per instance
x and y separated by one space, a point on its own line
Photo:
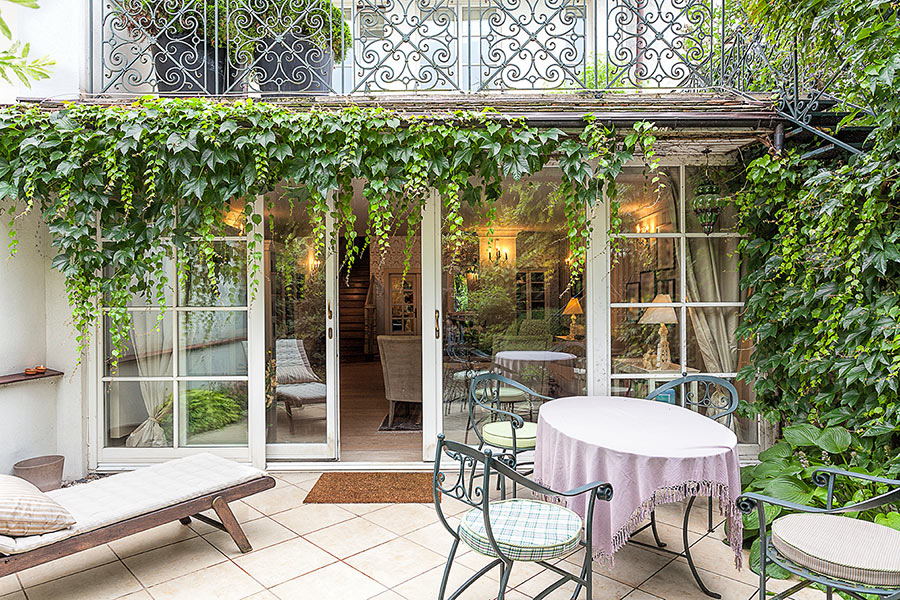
858 558
514 530
502 429
723 406
470 363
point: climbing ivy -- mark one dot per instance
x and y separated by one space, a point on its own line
158 173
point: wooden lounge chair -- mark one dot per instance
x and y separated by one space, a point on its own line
121 505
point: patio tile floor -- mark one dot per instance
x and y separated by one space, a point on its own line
359 552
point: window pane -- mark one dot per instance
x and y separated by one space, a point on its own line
713 270
715 205
641 388
645 269
647 206
138 414
145 293
711 341
212 343
148 350
228 287
636 337
213 413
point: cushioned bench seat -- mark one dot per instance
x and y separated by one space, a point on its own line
140 499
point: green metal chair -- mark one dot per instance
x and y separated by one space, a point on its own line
513 530
502 429
859 558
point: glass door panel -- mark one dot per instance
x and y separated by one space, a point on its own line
509 303
299 314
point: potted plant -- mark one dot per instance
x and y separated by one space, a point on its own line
297 50
188 55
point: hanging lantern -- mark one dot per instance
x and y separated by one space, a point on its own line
707 204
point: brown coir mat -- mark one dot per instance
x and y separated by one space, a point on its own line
371 488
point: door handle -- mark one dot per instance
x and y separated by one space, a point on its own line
330 314
437 324
330 333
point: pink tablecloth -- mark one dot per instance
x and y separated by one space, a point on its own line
651 452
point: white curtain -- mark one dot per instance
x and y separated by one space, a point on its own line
153 352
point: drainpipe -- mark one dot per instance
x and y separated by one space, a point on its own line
779 137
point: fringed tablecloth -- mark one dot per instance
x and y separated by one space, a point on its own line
651 452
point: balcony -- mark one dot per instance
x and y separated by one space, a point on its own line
287 47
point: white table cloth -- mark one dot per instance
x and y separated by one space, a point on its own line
651 452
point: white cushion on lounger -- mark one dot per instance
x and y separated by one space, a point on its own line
302 393
119 497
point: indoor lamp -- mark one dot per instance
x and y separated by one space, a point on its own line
661 315
573 308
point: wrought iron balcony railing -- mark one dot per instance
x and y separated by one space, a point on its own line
223 47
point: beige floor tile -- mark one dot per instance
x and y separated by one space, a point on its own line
311 517
67 565
388 595
263 595
299 478
224 581
138 595
475 561
350 537
675 582
639 595
710 554
604 588
9 584
779 585
261 533
673 514
361 508
516 595
20 595
427 585
633 564
669 534
453 507
435 537
276 564
100 583
173 561
395 562
321 585
403 518
152 538
277 500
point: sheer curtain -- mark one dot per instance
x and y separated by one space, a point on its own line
153 353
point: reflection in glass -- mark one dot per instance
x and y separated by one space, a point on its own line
227 286
145 293
641 388
212 343
148 349
135 411
507 302
711 339
713 270
646 268
295 333
636 342
646 206
212 413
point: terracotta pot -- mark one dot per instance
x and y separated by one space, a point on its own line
45 472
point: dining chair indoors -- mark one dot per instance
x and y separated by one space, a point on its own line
718 399
859 558
514 530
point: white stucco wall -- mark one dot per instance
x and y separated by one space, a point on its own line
42 416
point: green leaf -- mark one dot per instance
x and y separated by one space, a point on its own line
788 488
801 435
834 440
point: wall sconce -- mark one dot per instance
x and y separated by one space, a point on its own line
495 256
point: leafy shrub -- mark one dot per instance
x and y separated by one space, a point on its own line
208 410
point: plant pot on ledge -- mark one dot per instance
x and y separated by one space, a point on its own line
291 64
186 64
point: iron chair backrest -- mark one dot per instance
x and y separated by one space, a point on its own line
705 399
460 484
484 391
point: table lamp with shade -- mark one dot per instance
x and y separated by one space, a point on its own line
661 315
573 308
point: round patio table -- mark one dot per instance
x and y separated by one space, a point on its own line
651 452
514 363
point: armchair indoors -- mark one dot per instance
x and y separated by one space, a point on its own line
516 530
858 558
401 365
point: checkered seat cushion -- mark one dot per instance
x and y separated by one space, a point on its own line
499 435
524 529
840 547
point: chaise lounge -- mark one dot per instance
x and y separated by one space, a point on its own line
121 505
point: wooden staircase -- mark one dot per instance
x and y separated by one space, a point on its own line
352 293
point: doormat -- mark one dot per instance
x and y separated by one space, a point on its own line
371 488
407 417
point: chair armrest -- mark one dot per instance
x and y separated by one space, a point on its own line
517 421
602 490
747 502
822 476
